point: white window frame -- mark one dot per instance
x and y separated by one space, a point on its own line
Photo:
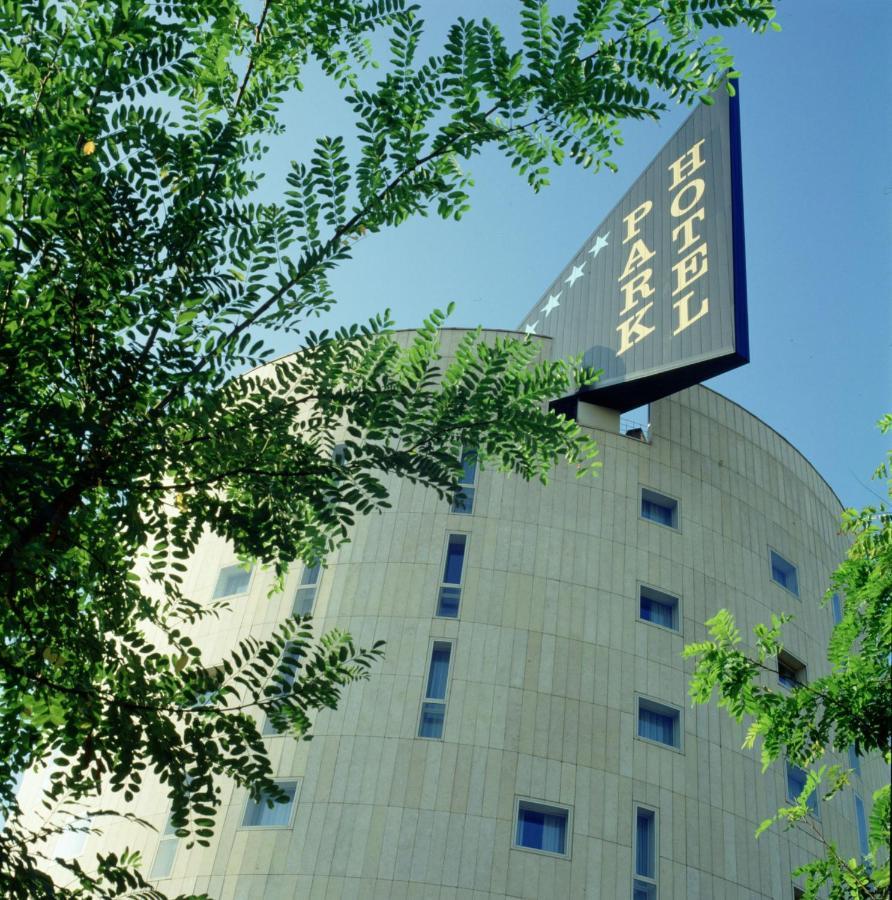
168 837
313 585
442 701
549 808
289 824
242 593
659 595
661 707
658 498
449 585
636 876
466 485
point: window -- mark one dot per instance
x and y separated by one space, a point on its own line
260 814
162 865
232 580
660 723
861 822
659 508
658 608
339 454
796 779
798 893
433 707
73 839
450 588
784 573
305 595
464 499
790 671
281 682
836 606
644 884
854 760
541 827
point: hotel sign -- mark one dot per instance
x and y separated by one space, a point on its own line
656 297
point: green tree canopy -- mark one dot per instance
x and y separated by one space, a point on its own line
139 269
849 708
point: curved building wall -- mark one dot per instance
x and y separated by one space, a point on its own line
549 660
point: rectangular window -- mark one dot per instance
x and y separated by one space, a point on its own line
645 854
162 865
232 580
281 682
784 573
542 827
791 673
659 508
836 606
660 723
261 814
449 596
861 822
658 608
464 499
796 779
854 760
433 708
305 595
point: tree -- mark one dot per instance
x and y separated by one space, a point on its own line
850 707
138 269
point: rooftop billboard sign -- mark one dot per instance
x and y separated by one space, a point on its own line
656 297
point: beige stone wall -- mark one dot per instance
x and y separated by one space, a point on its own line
548 658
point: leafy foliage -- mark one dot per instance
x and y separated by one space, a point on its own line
137 272
850 707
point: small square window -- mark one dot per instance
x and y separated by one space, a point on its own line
542 827
784 573
260 814
659 723
791 673
642 890
659 508
657 607
231 581
796 779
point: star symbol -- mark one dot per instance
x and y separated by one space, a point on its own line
600 243
551 304
575 274
531 329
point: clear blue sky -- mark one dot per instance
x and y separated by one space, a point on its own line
817 147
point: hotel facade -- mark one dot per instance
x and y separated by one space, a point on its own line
529 732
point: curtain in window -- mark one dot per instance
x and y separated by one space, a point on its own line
659 613
436 680
656 726
455 557
542 831
656 512
645 844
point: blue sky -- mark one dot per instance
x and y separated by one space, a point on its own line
817 142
